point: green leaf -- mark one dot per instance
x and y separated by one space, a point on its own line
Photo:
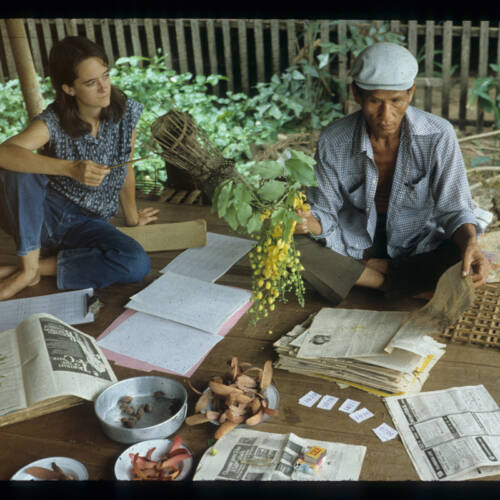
268 169
277 215
297 75
480 160
231 218
254 223
275 112
300 167
242 194
272 190
299 155
243 212
309 69
323 60
223 199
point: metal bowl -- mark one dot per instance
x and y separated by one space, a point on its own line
167 414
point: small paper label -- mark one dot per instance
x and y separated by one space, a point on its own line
385 432
309 399
349 405
361 415
327 402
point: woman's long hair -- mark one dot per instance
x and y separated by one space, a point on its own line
64 59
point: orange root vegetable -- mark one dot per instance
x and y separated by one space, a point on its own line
165 469
255 419
47 474
224 429
236 397
204 400
267 375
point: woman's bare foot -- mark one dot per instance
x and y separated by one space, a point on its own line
7 270
27 274
18 282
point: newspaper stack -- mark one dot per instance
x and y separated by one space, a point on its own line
347 345
383 352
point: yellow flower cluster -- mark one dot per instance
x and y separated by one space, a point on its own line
276 263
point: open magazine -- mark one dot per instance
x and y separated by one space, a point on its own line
44 360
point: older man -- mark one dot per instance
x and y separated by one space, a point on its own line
392 209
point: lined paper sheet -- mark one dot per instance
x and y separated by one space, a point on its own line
160 342
123 352
189 301
70 307
210 262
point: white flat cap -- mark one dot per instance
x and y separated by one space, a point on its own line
385 66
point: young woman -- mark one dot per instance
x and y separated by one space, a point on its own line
62 198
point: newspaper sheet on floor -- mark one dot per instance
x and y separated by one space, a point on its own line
249 455
451 434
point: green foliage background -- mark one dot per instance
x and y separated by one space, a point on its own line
304 97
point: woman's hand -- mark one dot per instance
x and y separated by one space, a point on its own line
147 216
88 172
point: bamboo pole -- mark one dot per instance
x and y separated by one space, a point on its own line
479 136
25 68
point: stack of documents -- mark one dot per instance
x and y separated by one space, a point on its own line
172 324
383 352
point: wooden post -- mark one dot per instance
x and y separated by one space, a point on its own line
25 68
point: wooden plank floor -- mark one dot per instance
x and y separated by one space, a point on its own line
75 432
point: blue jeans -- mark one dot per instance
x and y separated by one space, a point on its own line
91 252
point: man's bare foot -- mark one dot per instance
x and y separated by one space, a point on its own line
424 296
18 282
380 265
7 270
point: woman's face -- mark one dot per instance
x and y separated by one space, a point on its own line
92 87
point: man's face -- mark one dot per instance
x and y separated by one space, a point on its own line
384 109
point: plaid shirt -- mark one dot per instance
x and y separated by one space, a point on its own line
430 197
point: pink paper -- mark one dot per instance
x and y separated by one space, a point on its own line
136 364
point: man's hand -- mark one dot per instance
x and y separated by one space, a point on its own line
89 173
309 223
474 263
147 216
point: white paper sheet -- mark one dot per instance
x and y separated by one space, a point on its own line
160 343
70 307
189 301
309 399
385 432
210 262
327 402
361 415
348 406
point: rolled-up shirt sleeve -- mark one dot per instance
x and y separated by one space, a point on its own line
450 188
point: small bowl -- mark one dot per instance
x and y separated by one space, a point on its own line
273 401
123 465
167 415
68 465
